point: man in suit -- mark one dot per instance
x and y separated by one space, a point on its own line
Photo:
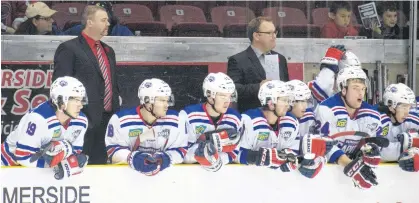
93 63
248 68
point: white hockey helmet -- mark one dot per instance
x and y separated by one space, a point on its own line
271 90
152 88
349 60
299 91
400 93
219 83
64 88
350 73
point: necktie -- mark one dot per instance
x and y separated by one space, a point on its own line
107 102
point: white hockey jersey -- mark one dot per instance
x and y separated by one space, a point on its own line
198 122
390 131
128 132
258 133
306 123
332 118
322 87
37 129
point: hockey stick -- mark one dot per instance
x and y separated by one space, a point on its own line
41 153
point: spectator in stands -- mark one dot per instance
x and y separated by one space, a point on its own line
93 63
39 22
6 29
389 28
115 28
248 68
340 14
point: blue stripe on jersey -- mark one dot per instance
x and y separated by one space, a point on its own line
41 163
287 125
199 121
340 113
53 125
368 115
335 156
385 120
319 90
131 123
5 163
411 120
78 123
243 155
260 127
167 123
306 119
26 147
228 123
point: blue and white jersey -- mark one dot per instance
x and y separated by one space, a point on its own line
127 131
390 131
332 117
199 122
307 122
258 133
323 86
37 129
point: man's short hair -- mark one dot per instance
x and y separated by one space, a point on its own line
386 6
254 26
336 5
90 11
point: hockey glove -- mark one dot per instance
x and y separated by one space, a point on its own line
332 57
225 140
311 165
409 160
362 175
163 159
408 140
371 154
144 163
59 151
73 165
286 160
207 155
317 145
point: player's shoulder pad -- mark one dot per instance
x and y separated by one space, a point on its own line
193 108
413 117
45 110
290 116
127 112
384 118
172 112
80 119
308 115
332 101
368 110
233 112
254 113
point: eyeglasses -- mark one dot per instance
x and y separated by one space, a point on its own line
274 33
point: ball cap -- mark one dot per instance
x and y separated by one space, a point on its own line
39 8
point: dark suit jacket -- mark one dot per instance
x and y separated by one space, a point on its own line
247 73
75 58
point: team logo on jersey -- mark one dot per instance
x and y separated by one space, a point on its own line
286 135
164 133
135 132
385 131
57 133
75 134
263 136
341 122
372 126
200 129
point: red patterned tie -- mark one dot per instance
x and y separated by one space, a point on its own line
107 102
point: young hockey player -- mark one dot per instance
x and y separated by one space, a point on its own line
148 137
335 59
400 126
51 135
213 128
346 111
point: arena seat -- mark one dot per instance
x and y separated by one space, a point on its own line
68 14
232 20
